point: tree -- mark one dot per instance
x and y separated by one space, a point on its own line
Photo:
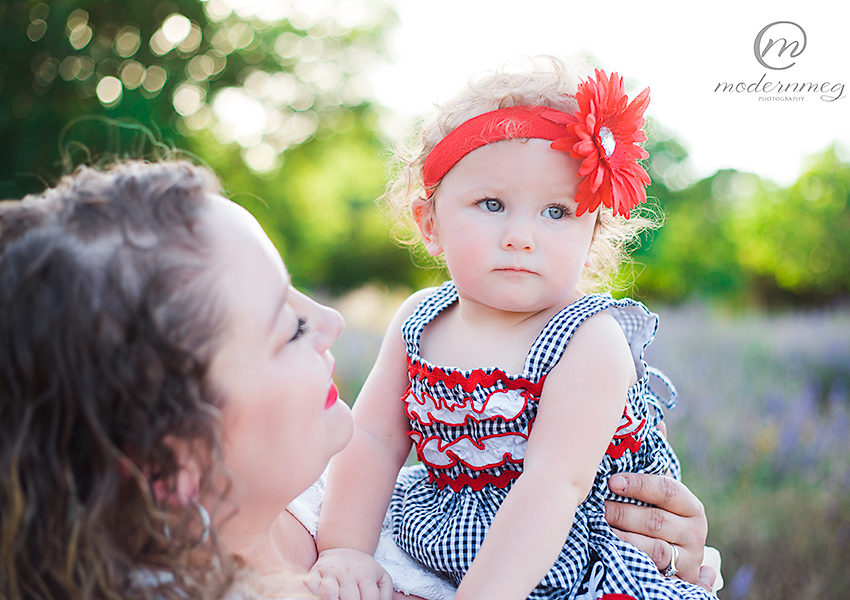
694 254
278 92
796 241
734 237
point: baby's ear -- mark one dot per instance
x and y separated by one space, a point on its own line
423 215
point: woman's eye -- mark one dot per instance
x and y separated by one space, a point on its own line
491 205
301 329
555 212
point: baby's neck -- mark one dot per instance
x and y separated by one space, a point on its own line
484 317
468 335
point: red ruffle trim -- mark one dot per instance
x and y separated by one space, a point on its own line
625 438
500 481
618 447
476 377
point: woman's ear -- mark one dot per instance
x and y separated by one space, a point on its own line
423 215
188 480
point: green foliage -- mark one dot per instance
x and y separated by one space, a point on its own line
795 242
56 55
173 67
737 238
94 81
319 209
692 253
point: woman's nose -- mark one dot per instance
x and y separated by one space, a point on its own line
324 324
327 324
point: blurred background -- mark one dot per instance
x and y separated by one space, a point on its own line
296 105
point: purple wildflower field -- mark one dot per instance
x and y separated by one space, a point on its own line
762 430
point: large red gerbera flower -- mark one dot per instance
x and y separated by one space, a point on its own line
604 134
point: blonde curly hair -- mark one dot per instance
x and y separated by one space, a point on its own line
540 81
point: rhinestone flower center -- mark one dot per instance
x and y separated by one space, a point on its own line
606 138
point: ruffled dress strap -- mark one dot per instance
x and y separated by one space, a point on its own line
425 312
636 445
638 324
552 340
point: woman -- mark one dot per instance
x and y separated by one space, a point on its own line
165 393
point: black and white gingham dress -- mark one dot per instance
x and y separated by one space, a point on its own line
470 429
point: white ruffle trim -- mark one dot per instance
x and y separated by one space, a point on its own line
505 404
486 453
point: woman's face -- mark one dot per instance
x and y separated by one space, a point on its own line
281 417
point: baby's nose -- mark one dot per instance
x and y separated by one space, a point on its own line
518 236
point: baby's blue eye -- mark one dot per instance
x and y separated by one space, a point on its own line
491 205
555 212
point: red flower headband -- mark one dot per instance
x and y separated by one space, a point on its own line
603 134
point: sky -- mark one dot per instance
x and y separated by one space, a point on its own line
681 50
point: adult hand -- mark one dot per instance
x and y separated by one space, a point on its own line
348 574
677 517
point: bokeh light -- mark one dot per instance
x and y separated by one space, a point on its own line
109 91
261 158
36 30
132 72
188 99
176 28
127 41
154 79
78 30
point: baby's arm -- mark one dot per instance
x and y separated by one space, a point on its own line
362 476
579 411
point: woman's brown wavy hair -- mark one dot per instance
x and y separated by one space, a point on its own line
106 334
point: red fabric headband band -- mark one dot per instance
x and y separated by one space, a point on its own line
514 122
604 134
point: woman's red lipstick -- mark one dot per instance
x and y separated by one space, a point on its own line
333 396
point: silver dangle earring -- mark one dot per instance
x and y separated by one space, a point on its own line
205 519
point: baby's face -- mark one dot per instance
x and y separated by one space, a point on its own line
281 417
504 217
